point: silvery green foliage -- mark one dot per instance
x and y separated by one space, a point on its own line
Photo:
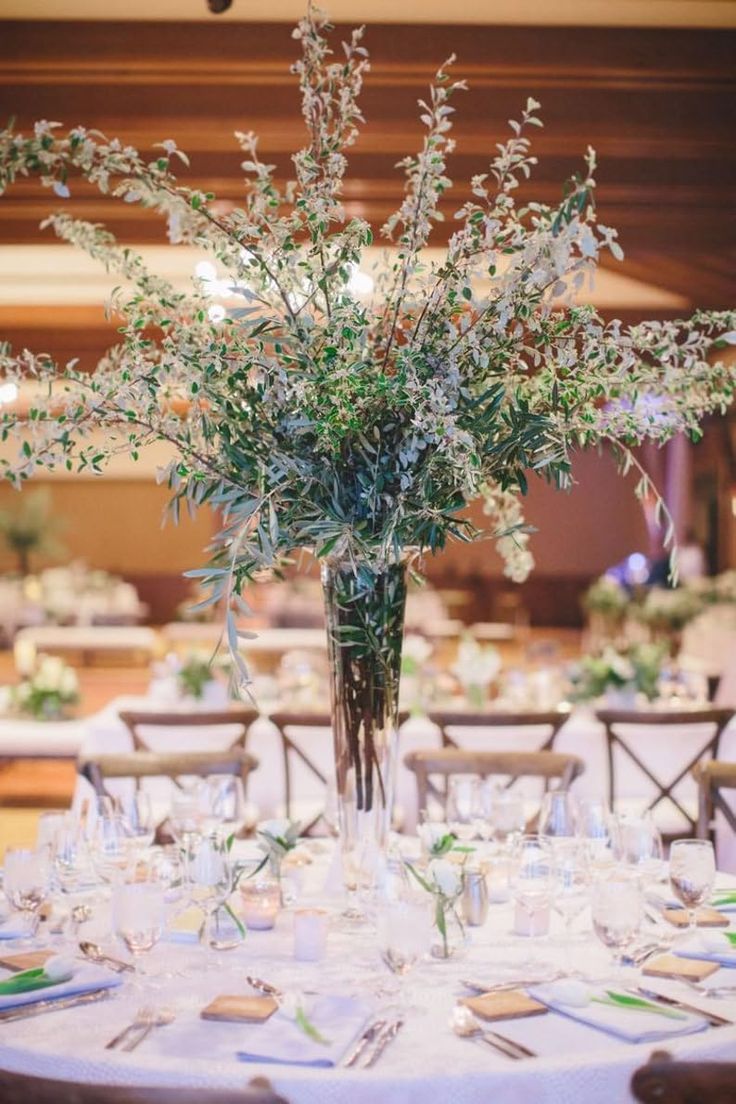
309 417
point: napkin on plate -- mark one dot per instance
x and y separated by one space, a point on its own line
710 947
13 927
281 1041
86 978
631 1025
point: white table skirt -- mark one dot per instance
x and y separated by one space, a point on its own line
426 1062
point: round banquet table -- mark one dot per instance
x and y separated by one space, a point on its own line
426 1062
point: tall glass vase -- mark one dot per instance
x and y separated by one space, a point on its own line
365 623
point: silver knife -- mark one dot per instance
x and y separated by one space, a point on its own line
520 1051
368 1035
38 1007
386 1036
711 1017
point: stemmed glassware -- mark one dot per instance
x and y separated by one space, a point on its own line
463 807
692 875
139 823
138 910
109 842
594 829
617 909
508 817
638 843
558 816
26 882
571 892
531 883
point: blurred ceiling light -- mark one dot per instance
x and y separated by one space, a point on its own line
8 393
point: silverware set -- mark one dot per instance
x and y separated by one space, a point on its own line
53 1005
466 1026
372 1042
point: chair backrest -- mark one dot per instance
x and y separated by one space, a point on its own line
444 762
664 1081
238 717
151 764
712 778
298 758
550 722
641 724
21 1088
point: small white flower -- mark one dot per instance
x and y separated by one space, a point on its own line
571 992
277 828
445 876
430 834
59 968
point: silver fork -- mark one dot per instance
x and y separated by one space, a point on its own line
142 1017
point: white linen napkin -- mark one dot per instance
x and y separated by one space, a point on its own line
281 1041
14 927
633 1026
709 946
86 978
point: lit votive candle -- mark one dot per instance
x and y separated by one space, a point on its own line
532 920
261 902
310 934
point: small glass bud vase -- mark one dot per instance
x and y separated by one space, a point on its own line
449 938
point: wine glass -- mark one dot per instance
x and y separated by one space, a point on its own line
508 818
531 883
136 810
692 874
109 843
558 815
594 830
226 804
26 882
462 808
138 912
571 890
638 843
617 908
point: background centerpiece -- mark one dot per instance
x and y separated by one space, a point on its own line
312 417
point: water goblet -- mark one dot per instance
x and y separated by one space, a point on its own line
692 875
558 815
571 890
138 915
26 883
531 883
463 806
136 810
594 829
617 909
508 817
638 843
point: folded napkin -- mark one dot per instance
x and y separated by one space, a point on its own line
186 926
86 978
280 1040
724 900
633 1025
14 927
711 946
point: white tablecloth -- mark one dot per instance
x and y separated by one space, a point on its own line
425 1063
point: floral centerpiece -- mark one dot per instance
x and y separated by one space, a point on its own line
361 428
48 692
475 669
667 612
620 675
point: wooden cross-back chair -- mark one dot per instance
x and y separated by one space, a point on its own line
445 762
713 777
665 1081
658 722
239 717
295 753
552 720
137 765
23 1088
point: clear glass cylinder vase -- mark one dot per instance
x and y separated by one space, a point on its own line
365 623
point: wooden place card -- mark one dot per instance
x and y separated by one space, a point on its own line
510 1005
704 918
240 1009
28 960
670 966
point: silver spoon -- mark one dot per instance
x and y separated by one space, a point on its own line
464 1024
95 953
